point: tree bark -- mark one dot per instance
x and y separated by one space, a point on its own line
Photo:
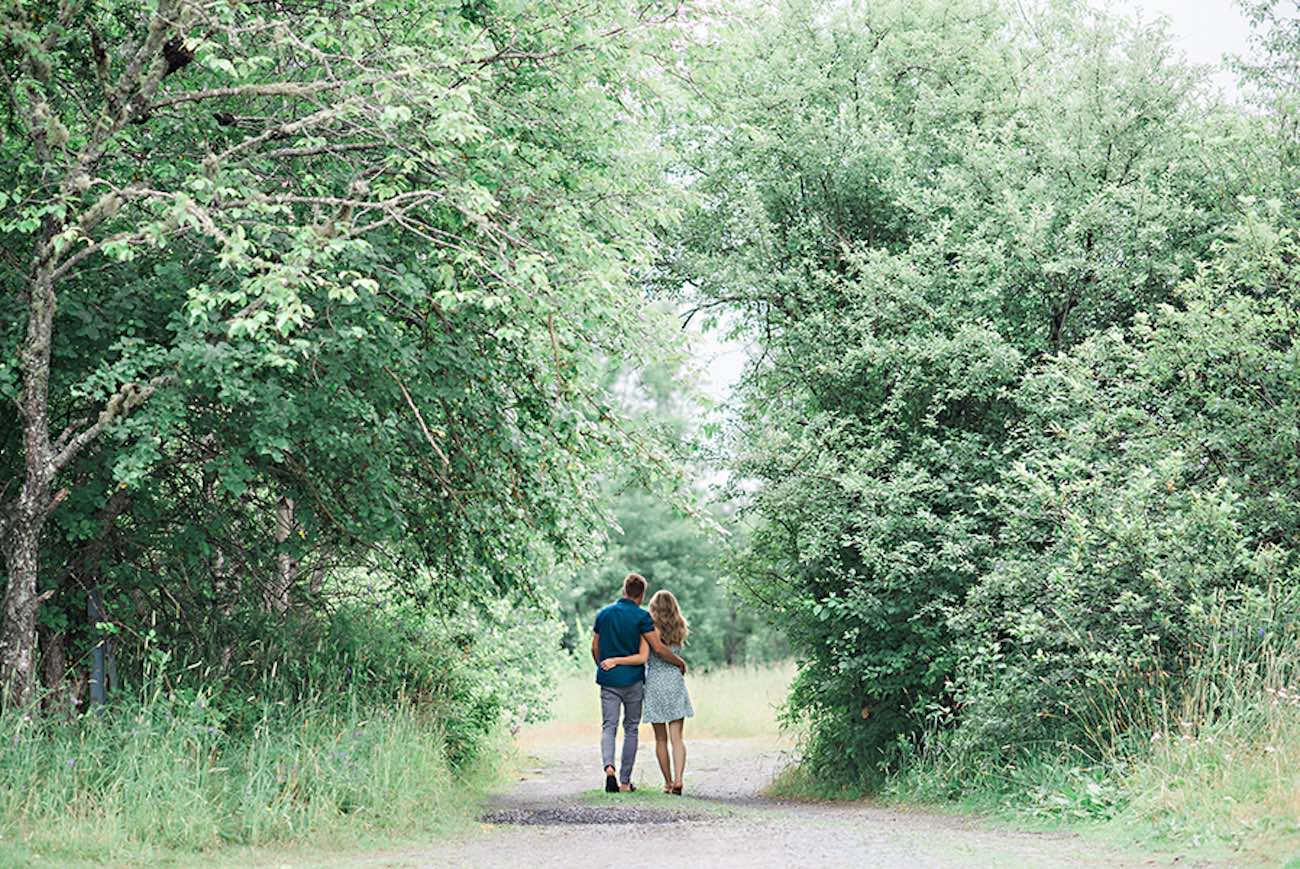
59 695
277 594
26 520
18 636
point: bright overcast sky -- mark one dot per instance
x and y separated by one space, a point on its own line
1205 30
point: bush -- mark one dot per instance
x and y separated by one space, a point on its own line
1132 653
1157 482
1206 756
370 719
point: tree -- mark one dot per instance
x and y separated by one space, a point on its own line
314 286
912 205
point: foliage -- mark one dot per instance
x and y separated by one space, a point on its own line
1024 399
336 290
372 723
685 556
1202 757
331 337
882 402
306 311
1156 471
674 545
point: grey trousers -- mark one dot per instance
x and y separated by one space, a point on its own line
629 698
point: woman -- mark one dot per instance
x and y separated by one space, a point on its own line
667 705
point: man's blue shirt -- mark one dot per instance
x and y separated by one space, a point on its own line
620 626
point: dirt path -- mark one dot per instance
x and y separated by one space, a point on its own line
555 815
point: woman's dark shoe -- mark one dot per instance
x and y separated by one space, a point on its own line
611 783
677 790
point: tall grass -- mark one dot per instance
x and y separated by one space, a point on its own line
1221 759
1208 756
730 703
156 778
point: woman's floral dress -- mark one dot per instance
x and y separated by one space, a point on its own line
665 691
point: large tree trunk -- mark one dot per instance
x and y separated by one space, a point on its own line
18 635
26 519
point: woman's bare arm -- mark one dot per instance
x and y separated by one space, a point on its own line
639 658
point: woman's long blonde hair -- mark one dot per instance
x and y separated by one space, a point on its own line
668 618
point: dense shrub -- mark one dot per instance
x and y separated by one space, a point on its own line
1025 398
1204 755
1157 469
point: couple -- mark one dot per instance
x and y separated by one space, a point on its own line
641 675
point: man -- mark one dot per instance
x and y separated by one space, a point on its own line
618 631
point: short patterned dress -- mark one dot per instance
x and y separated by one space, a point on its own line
665 691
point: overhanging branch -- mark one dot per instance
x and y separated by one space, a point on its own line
125 400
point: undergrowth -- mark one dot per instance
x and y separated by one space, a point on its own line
369 725
1208 760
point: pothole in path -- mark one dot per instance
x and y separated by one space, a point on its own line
565 815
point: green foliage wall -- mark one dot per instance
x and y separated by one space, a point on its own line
332 291
995 263
1154 475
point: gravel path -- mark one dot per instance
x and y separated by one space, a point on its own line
555 816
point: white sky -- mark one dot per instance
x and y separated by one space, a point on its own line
1205 31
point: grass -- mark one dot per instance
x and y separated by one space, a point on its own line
158 784
654 798
164 781
1208 762
1222 766
731 703
1225 787
797 782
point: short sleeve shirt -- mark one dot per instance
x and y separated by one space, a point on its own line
620 626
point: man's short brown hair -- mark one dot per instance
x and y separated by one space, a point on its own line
634 586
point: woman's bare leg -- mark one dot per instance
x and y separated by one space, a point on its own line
661 753
679 750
